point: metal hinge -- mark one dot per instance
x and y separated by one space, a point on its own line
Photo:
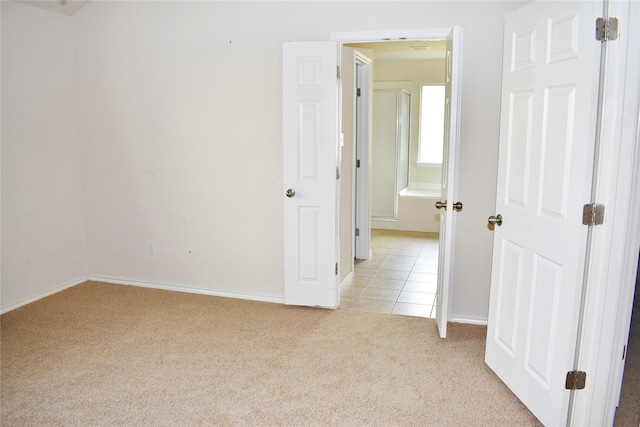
357 232
606 29
593 214
337 172
336 268
576 380
338 71
358 93
357 163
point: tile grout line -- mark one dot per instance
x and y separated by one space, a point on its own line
396 241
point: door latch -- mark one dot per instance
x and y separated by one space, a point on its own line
495 220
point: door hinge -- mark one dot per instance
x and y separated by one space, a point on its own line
357 232
337 172
358 163
606 29
338 72
358 93
593 214
576 380
336 268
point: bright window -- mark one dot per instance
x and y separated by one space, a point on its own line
431 124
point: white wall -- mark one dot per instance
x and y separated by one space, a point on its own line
43 238
179 108
180 118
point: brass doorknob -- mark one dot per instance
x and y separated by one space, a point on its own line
441 205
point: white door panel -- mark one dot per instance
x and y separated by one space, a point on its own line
310 147
549 97
449 177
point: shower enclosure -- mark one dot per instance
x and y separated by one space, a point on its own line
390 151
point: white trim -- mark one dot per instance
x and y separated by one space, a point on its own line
67 285
347 280
614 257
468 320
186 289
392 35
418 34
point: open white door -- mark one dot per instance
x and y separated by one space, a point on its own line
449 176
364 110
549 97
310 150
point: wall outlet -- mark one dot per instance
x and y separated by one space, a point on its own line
151 247
191 254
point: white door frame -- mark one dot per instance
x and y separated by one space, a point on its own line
614 256
390 35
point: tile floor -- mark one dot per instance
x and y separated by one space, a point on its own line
400 277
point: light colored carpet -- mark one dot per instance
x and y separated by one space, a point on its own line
100 354
628 413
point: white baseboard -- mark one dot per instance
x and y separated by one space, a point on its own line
190 290
469 320
346 280
384 225
67 285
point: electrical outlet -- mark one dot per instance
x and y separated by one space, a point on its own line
151 247
191 254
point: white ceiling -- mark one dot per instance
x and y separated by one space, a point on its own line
66 7
411 49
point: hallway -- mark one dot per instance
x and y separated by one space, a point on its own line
400 277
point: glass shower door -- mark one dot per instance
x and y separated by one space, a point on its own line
390 151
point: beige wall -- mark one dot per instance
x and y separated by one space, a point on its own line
179 118
43 230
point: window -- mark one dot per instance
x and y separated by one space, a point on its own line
431 125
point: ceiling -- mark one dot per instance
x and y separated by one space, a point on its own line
411 49
66 7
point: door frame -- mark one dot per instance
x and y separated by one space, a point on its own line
403 35
614 259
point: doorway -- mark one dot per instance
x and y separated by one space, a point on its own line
399 272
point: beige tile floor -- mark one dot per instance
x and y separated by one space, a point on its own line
400 277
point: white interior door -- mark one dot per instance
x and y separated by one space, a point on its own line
310 161
449 177
364 110
549 97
